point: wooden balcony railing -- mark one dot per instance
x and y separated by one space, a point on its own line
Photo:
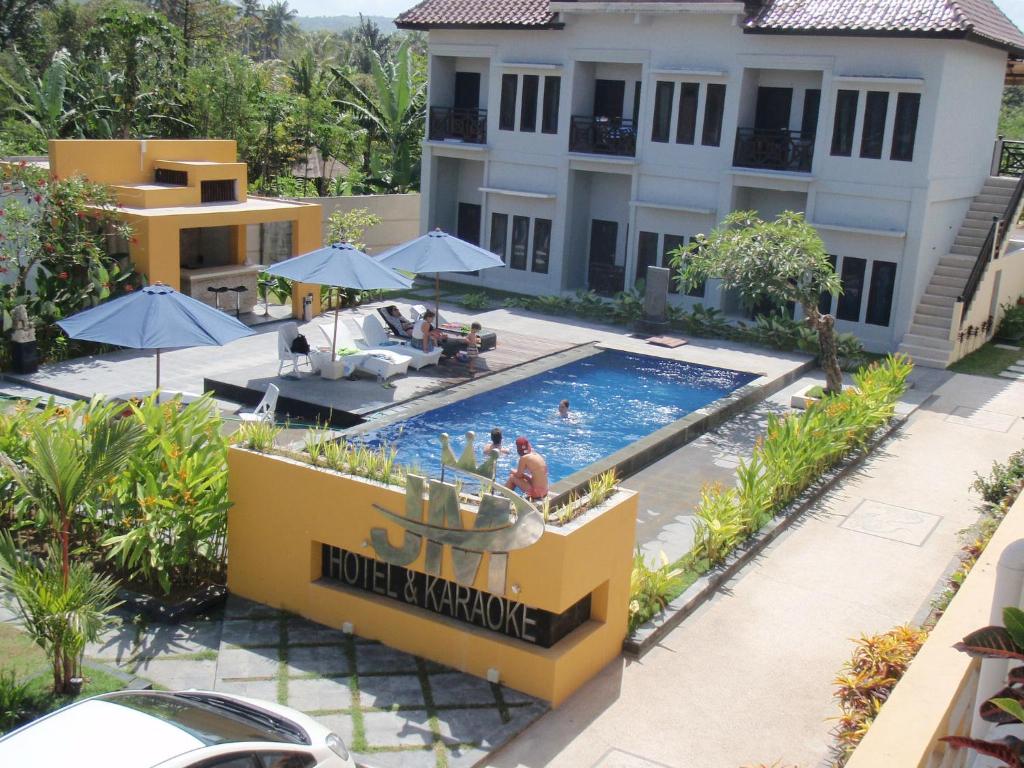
776 150
602 136
469 125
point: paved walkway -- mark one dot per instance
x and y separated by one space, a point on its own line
392 709
748 678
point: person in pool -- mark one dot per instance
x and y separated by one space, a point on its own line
496 438
531 475
563 409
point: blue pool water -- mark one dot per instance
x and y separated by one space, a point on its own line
616 398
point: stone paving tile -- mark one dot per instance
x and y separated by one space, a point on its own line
456 689
379 659
408 758
469 726
247 632
340 724
254 689
512 696
236 663
324 660
386 692
302 631
178 674
322 693
117 646
182 638
406 728
240 608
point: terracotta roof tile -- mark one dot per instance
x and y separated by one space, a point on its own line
477 13
912 17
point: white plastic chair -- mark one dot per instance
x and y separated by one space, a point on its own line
379 362
267 407
286 334
375 335
418 310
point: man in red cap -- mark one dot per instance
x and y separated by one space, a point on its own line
531 476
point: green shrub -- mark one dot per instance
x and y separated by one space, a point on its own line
16 700
1011 327
257 435
650 588
719 525
1002 480
475 300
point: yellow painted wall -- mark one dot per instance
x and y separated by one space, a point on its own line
130 161
283 510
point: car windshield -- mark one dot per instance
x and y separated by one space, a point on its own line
212 719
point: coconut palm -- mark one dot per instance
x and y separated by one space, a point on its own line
250 18
67 463
278 27
393 115
61 611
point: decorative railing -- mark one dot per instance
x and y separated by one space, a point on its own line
777 150
1011 158
469 125
993 245
602 136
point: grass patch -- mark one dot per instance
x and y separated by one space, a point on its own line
27 660
988 360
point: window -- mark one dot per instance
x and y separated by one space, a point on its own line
646 253
289 759
852 278
825 299
499 235
541 244
507 116
809 119
663 93
528 110
846 116
217 191
883 280
552 91
636 104
167 176
520 238
686 124
714 106
907 106
875 106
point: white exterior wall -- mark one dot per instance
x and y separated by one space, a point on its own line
898 211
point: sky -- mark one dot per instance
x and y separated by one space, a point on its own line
1012 8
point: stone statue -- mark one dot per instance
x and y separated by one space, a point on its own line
23 330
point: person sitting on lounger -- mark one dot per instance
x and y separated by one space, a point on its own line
399 324
531 476
426 331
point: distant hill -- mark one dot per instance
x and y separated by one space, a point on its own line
341 23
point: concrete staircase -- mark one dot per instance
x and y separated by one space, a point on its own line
927 340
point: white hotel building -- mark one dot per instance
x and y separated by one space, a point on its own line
584 140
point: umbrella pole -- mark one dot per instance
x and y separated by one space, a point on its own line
337 308
158 369
437 298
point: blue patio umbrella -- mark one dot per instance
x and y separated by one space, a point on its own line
438 252
340 265
155 317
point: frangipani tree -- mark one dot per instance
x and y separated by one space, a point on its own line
782 261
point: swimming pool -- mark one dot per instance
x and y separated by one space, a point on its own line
616 398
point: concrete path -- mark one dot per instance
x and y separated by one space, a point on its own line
748 678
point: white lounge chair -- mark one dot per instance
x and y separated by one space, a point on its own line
267 407
417 310
373 334
286 334
382 363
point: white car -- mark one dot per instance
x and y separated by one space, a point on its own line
188 729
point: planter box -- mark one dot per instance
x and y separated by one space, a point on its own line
163 611
803 401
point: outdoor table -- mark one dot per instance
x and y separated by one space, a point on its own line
320 361
488 339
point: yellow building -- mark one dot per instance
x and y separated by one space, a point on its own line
188 205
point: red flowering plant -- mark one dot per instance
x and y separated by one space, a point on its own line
56 241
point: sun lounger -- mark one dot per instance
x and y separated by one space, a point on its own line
373 335
393 324
382 363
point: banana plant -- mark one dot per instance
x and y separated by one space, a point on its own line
45 102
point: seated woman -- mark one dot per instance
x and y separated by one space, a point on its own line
399 325
424 331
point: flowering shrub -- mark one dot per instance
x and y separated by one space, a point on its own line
54 236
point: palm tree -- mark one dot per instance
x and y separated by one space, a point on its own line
311 82
60 611
278 26
393 115
66 465
250 14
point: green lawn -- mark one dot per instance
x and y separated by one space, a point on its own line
989 360
19 653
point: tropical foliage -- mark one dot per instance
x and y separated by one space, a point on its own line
770 264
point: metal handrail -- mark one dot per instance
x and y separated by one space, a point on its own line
774 149
993 245
469 125
1011 157
602 135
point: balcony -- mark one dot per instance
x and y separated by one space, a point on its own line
774 150
602 136
448 123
